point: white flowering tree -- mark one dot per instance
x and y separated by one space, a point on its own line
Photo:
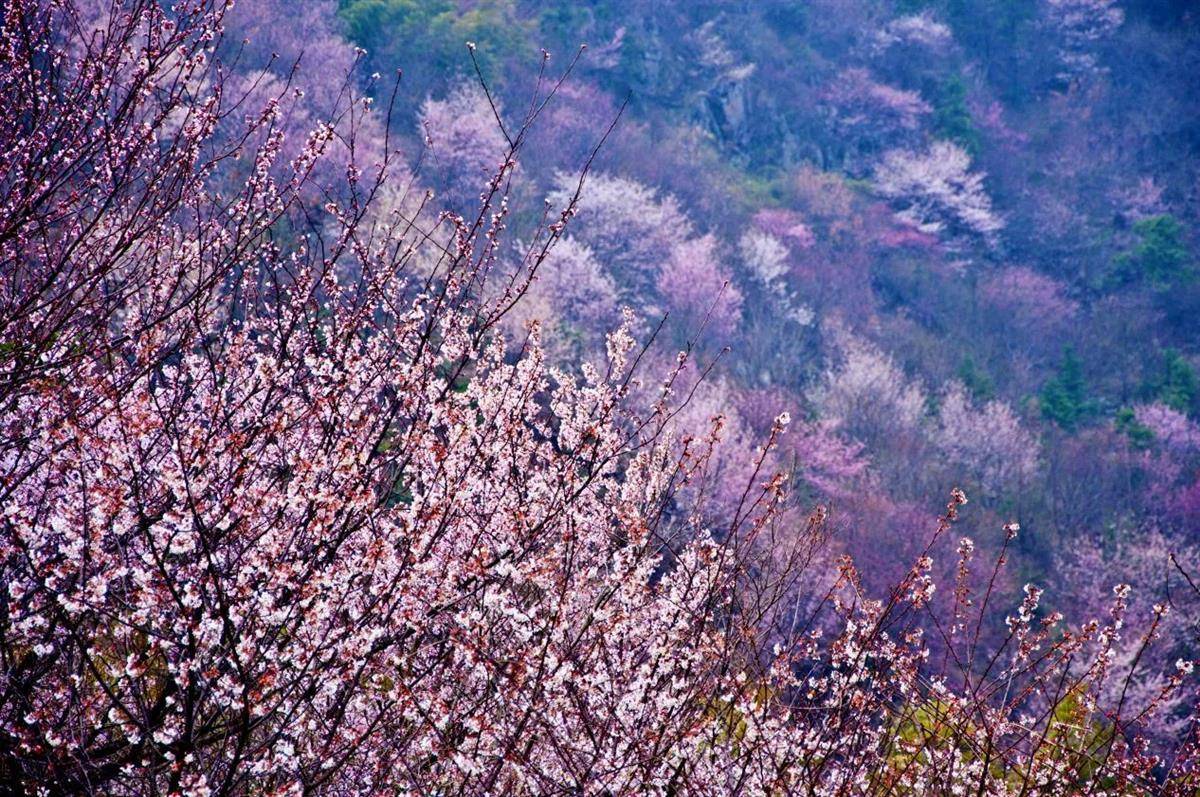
868 394
1080 25
936 191
987 443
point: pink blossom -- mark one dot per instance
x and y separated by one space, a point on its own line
1080 24
1029 298
1172 429
904 235
832 465
573 296
465 145
693 282
868 393
787 225
918 29
987 442
861 102
282 511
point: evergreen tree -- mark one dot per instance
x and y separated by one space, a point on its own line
1175 384
1064 398
1160 258
976 379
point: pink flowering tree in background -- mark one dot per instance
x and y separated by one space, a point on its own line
276 36
871 400
465 145
574 299
570 128
283 512
870 115
696 286
786 225
922 30
866 392
830 464
1170 461
910 49
711 422
653 254
295 58
630 227
1170 427
768 252
1154 571
1022 296
1142 199
765 257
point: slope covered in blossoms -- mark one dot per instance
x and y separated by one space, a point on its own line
314 480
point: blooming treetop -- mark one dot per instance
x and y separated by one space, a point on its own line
937 191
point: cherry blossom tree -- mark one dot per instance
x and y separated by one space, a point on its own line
245 543
988 443
1170 427
868 393
465 144
573 297
911 49
653 253
830 464
629 226
787 225
915 29
711 422
937 191
1154 570
296 56
573 124
1080 25
282 35
1029 298
872 114
765 256
695 285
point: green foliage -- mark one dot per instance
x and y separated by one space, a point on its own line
1064 398
729 722
951 117
457 373
427 38
1174 384
400 493
1077 740
1139 436
931 725
975 379
1159 259
1075 743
